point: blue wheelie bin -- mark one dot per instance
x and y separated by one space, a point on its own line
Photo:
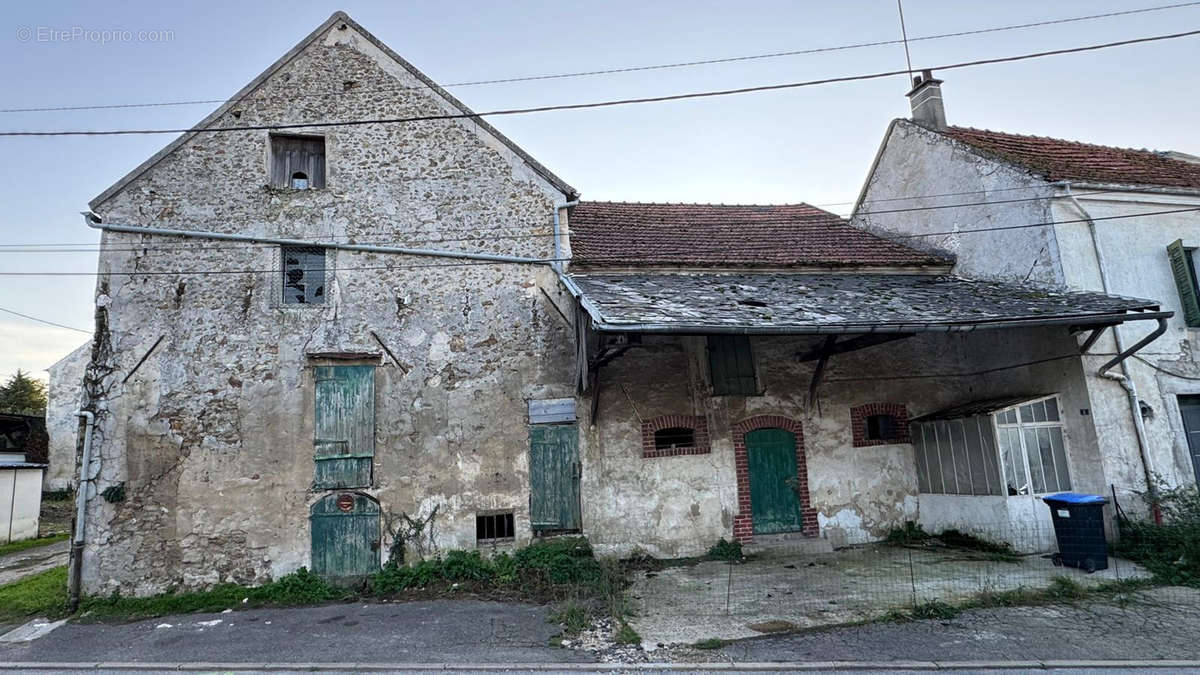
1079 529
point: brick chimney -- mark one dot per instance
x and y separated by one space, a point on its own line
926 101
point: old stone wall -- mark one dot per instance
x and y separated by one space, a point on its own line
680 505
212 435
63 396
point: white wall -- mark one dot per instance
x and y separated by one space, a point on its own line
62 426
20 503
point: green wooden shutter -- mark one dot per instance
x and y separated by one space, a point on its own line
345 537
344 438
731 364
554 477
1185 280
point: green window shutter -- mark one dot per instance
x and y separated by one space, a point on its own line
1185 279
344 426
731 364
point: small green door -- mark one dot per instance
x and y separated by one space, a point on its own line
773 481
344 426
345 537
554 473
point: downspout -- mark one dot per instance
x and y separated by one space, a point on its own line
78 537
93 221
558 259
1124 378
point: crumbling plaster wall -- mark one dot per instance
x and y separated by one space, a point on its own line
63 396
212 435
680 505
924 183
1136 263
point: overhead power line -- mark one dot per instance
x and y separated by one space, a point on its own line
602 104
629 69
190 244
611 259
49 323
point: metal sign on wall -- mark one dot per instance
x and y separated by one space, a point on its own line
552 411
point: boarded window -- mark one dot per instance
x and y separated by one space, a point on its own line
675 437
1183 267
731 364
297 162
344 426
493 526
303 275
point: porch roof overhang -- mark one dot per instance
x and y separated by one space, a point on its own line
973 408
836 303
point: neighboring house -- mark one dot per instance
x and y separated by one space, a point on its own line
22 461
1064 214
303 337
63 397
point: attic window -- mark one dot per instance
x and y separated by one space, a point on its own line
297 156
673 438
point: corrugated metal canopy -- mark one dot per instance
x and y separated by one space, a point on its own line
780 303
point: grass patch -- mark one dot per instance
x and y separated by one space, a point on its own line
710 643
573 616
626 635
1171 551
39 595
935 609
725 550
26 544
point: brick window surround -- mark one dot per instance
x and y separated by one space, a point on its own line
858 423
743 522
698 425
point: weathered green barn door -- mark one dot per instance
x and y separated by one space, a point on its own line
344 429
554 472
773 480
345 537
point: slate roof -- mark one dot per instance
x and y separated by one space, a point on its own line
1056 159
830 303
631 234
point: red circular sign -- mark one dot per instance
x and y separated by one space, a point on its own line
345 503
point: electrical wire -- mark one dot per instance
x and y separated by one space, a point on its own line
51 323
1042 224
44 248
598 104
630 69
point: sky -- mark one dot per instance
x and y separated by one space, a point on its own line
812 144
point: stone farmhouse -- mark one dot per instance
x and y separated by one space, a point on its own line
328 346
1112 220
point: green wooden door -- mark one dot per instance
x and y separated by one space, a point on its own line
345 537
554 473
773 480
344 428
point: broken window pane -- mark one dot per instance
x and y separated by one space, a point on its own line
303 275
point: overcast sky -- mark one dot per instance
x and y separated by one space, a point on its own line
812 144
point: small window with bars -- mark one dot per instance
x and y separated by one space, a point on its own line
494 527
303 269
674 438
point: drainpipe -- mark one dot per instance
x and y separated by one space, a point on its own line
1124 377
77 539
558 261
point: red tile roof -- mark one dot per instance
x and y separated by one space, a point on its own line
629 234
1056 159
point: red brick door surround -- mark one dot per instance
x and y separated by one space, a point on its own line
743 522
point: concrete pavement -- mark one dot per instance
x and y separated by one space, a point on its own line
21 564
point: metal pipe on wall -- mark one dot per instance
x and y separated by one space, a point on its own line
79 535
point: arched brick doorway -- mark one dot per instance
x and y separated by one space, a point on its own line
743 522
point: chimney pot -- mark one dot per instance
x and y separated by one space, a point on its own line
926 101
